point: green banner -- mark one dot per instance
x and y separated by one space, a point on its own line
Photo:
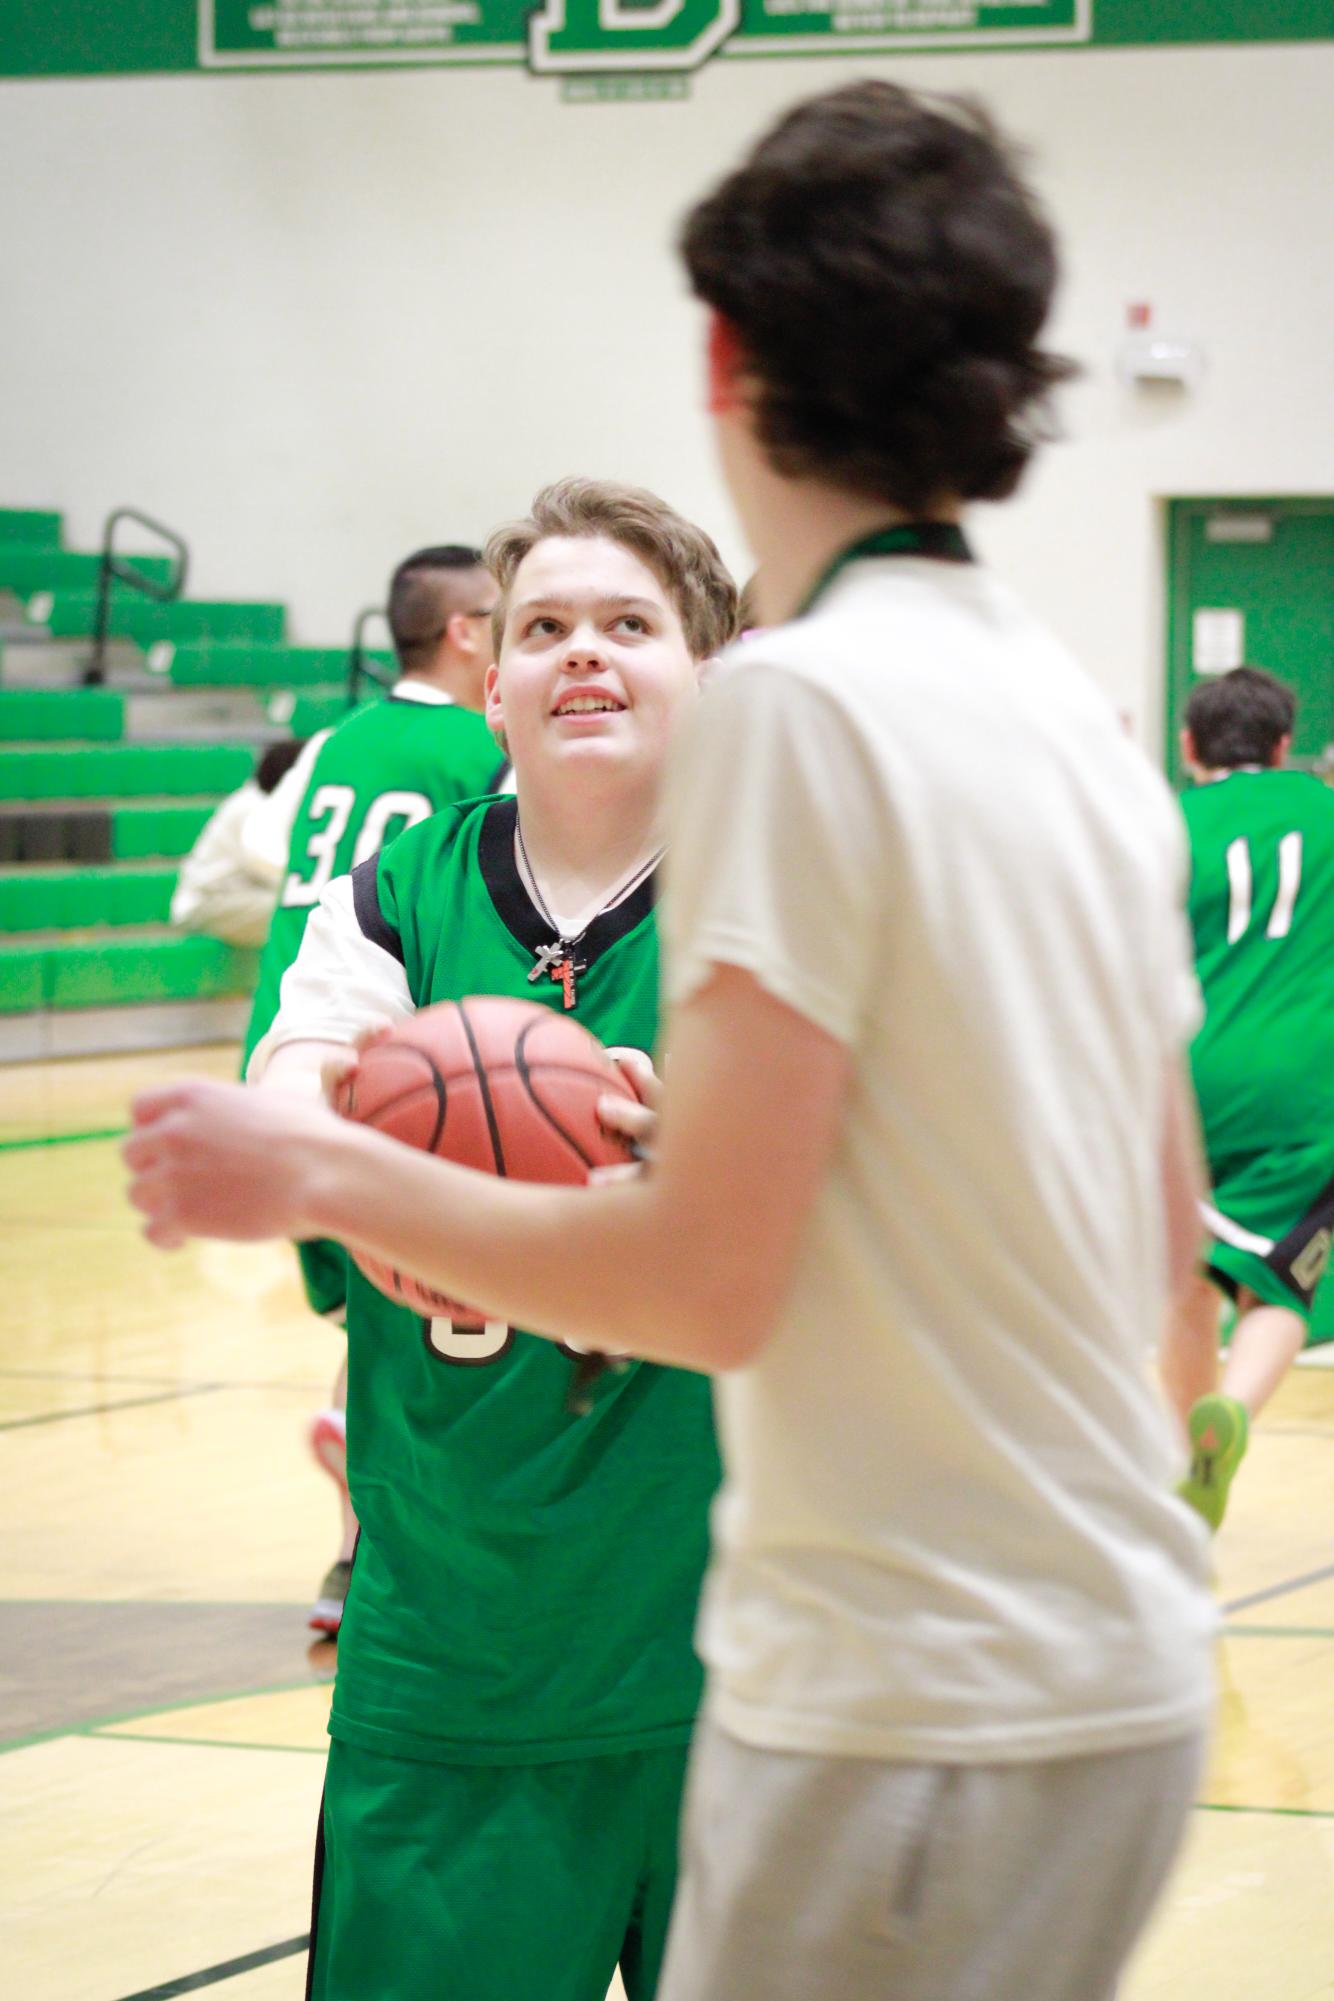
596 37
587 36
308 34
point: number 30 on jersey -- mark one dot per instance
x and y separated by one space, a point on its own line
333 805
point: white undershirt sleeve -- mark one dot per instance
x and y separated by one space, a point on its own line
340 984
266 835
777 856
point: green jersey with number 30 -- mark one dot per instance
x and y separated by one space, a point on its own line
1262 913
525 1585
382 770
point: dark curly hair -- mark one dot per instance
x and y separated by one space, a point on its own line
887 273
1241 718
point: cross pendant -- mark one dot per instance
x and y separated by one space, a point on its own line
549 958
565 970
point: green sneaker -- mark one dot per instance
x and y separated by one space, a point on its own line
1219 1429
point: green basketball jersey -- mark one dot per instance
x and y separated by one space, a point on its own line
1262 913
525 1585
383 769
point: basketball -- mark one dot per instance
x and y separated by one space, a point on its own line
505 1086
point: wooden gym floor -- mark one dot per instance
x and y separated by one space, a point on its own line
163 1716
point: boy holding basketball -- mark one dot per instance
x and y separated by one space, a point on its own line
516 1679
925 1165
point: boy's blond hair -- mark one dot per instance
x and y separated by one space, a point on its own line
682 557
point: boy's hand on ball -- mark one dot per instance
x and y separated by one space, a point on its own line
635 1120
219 1160
336 1070
339 1070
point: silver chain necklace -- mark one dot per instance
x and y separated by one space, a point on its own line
557 961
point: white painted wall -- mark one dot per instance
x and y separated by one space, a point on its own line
316 320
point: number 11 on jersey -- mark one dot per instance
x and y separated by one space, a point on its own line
1240 883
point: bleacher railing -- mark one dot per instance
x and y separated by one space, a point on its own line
360 666
119 568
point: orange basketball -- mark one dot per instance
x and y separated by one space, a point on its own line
507 1086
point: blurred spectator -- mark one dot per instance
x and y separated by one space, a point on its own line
221 890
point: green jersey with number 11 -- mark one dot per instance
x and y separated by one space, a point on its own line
1262 912
380 771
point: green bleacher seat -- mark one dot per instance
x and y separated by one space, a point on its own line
92 827
143 831
254 665
93 832
25 570
121 771
36 898
51 715
150 965
70 615
22 978
33 525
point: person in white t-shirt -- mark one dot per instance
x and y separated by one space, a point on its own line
224 889
927 1164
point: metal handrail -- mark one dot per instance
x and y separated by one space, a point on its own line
360 667
121 568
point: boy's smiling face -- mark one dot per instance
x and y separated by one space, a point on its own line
594 667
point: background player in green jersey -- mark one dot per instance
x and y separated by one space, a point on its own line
1262 914
516 1677
355 787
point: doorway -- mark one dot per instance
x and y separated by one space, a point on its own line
1251 583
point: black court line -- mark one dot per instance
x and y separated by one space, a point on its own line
99 1409
226 1969
1279 1590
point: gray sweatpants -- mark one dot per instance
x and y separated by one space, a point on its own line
843 1879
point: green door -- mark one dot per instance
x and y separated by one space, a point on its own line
1252 582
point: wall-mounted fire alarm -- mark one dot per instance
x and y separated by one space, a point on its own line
1146 356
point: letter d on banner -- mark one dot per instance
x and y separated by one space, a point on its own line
586 35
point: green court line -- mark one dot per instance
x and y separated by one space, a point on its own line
113 1736
157 1709
60 1139
1286 1812
1278 1632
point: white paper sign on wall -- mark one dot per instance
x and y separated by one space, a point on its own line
1218 640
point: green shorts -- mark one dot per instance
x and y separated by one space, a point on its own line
1271 1219
324 1275
493 1883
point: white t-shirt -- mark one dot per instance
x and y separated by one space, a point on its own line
267 834
947 1530
218 892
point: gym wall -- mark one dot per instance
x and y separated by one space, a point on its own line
313 320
